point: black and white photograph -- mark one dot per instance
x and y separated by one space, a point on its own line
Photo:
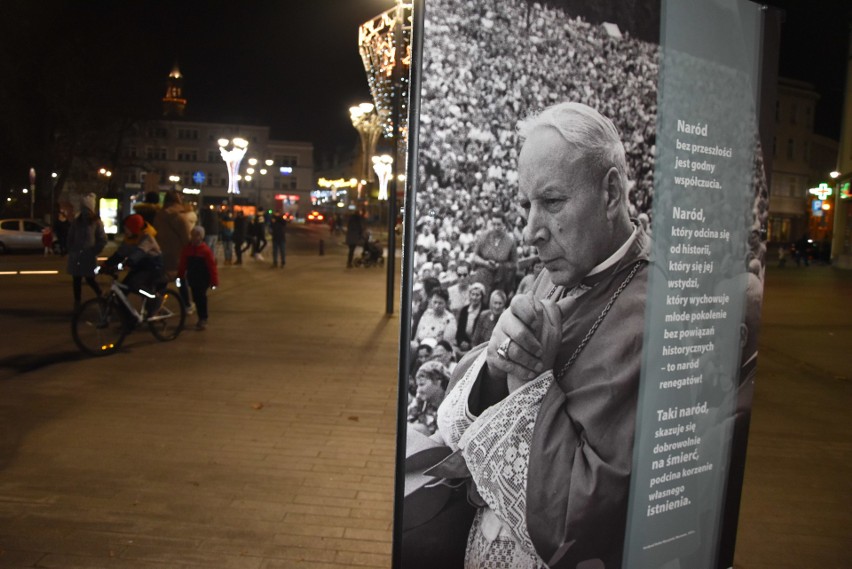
533 249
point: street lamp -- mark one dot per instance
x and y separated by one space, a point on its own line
383 165
368 122
32 192
251 171
232 159
385 46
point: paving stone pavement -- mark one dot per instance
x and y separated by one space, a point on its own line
267 441
264 442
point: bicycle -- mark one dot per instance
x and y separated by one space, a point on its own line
101 324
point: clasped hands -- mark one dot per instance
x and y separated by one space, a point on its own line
525 341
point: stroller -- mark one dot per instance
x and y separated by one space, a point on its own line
372 254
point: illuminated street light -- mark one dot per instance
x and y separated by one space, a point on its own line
383 165
385 46
252 173
368 123
834 174
232 159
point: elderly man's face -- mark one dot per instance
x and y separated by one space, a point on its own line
565 208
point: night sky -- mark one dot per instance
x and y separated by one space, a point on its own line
289 64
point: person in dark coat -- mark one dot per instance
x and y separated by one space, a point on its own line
354 234
86 238
240 233
226 236
279 237
257 231
210 222
60 231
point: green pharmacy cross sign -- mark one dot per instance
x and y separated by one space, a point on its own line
822 191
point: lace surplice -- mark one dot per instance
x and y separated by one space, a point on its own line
496 447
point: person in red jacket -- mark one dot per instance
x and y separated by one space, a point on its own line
197 268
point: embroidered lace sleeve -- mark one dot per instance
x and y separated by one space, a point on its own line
496 445
453 415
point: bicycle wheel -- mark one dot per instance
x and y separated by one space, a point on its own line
98 327
167 322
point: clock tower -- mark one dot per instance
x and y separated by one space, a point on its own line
174 103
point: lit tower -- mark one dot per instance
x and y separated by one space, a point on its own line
174 103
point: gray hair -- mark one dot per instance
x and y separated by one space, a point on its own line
586 132
198 230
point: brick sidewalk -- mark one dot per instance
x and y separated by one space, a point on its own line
265 442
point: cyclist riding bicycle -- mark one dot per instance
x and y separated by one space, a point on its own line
141 253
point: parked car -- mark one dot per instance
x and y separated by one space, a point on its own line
20 234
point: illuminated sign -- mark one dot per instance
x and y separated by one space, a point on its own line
109 215
822 191
339 183
844 191
199 178
286 170
816 208
192 191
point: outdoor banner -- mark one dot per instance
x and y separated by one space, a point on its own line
583 273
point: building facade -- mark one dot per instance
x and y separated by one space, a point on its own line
174 152
801 160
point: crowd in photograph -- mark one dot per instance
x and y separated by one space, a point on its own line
484 71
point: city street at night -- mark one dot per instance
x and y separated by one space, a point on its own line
267 441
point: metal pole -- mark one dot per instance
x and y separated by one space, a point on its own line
397 100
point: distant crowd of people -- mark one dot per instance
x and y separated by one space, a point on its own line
168 242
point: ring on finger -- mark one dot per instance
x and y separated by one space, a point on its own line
503 348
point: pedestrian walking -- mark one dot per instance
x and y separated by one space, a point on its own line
198 268
173 224
210 222
60 231
354 234
782 255
47 241
226 236
240 235
279 237
258 234
86 239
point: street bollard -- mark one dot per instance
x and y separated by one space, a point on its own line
321 247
